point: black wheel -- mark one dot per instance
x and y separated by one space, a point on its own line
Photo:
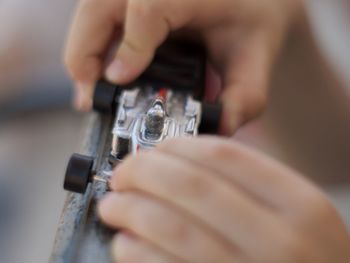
105 97
78 173
211 116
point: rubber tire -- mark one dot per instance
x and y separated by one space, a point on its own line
211 117
78 173
104 100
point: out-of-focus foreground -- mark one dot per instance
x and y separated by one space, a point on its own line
307 124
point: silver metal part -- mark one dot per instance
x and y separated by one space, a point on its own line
96 178
155 119
147 116
104 179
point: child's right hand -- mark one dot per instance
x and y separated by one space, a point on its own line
206 199
242 37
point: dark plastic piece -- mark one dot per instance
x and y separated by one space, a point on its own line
78 173
123 148
105 97
113 160
211 116
179 65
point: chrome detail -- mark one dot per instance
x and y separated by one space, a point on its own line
146 119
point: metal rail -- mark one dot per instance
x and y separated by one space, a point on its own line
80 236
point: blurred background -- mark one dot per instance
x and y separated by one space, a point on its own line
306 124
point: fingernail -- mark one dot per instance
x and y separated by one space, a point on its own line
115 72
82 100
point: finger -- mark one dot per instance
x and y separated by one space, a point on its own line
221 206
246 83
247 64
261 177
147 26
128 248
92 30
213 84
163 226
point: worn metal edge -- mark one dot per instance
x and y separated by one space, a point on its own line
75 205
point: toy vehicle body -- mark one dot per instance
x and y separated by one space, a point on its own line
165 102
148 116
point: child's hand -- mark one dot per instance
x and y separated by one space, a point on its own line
242 37
208 200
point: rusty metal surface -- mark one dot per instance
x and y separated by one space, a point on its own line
80 236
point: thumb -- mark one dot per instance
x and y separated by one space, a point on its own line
147 25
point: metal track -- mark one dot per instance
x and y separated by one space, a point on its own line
80 236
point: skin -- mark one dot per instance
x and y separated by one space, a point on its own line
203 199
242 39
207 200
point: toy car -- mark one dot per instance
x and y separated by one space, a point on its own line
165 102
146 117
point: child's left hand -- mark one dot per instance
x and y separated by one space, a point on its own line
210 200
